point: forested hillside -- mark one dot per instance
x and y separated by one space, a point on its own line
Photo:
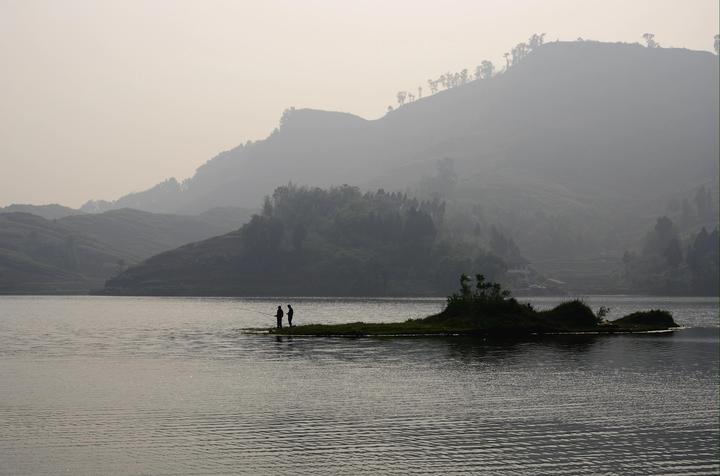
310 241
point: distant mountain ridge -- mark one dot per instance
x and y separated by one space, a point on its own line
77 253
50 212
613 117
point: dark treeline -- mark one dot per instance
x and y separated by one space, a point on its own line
338 241
365 243
667 264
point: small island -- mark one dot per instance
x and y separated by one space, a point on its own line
489 310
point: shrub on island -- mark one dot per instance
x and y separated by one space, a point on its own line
651 318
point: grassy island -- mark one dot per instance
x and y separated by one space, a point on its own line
489 310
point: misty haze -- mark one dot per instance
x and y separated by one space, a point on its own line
304 238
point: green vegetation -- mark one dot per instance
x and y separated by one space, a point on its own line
489 310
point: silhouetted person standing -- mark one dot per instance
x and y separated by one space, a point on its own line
279 315
290 315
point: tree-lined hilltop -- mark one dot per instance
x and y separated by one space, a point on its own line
485 70
566 110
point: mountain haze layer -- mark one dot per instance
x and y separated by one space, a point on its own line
77 253
49 212
590 117
574 152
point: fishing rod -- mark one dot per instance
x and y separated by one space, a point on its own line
253 310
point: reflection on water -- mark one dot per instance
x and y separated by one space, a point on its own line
172 386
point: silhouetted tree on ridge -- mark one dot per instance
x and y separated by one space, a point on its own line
485 70
650 40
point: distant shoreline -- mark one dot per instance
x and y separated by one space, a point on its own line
299 332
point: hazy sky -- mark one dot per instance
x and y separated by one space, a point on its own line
102 98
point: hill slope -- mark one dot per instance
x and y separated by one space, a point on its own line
78 253
588 117
49 212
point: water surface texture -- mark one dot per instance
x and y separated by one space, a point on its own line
161 386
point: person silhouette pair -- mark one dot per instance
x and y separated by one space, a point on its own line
279 315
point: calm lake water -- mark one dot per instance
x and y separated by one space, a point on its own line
168 386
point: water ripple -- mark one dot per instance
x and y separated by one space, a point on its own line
172 387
